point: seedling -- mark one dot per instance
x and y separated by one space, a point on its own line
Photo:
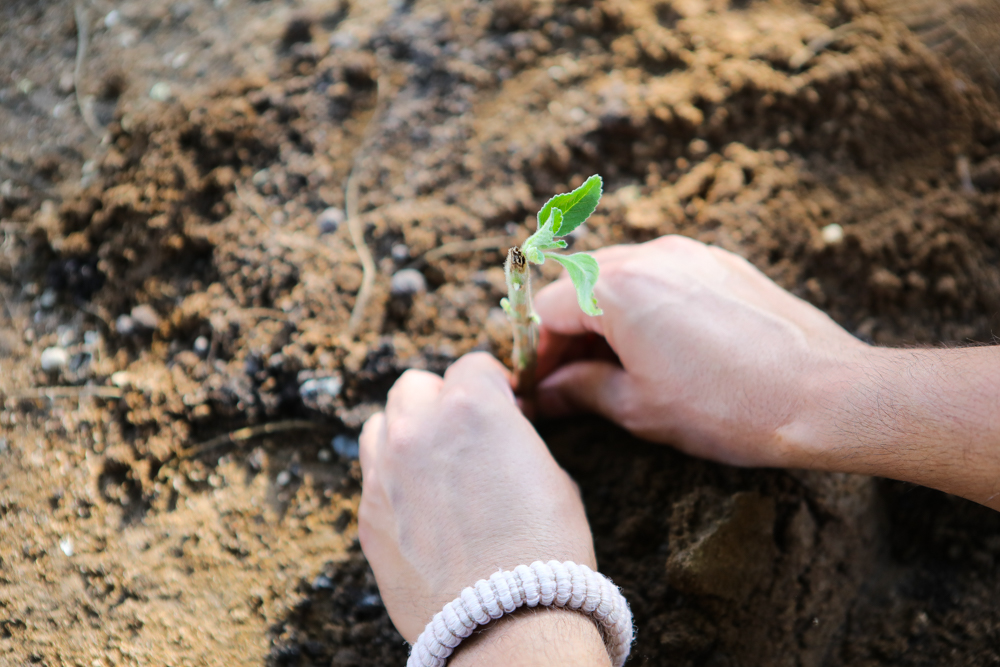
560 216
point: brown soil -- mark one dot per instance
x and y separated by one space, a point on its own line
134 534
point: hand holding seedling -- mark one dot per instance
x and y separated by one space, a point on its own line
717 360
457 483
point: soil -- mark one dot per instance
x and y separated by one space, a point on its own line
193 263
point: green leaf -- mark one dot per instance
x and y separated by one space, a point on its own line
576 206
583 271
544 238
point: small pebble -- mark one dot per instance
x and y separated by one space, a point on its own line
284 478
54 359
345 446
344 41
91 338
66 83
330 220
79 362
322 582
66 335
328 386
48 299
400 252
66 544
832 234
112 18
160 91
407 282
370 600
324 455
144 316
3 446
124 325
201 346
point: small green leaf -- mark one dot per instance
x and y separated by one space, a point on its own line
576 206
583 271
505 304
543 239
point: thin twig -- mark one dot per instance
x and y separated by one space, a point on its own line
244 197
354 224
82 42
821 43
66 392
251 432
6 307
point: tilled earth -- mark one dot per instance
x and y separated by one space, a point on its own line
174 497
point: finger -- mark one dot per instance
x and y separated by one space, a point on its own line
587 386
481 373
557 306
371 433
413 393
555 350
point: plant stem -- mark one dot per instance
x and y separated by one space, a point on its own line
523 318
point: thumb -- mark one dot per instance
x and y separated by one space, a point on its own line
557 306
600 387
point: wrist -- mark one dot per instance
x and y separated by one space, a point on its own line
535 637
923 416
815 430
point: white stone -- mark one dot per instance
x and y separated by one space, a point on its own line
832 234
201 345
330 220
54 359
66 544
407 282
328 386
144 316
124 325
160 91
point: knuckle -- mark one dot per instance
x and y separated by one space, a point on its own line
407 380
630 414
457 403
474 361
403 437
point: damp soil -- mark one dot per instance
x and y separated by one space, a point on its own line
184 492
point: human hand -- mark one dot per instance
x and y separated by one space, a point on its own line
712 356
456 485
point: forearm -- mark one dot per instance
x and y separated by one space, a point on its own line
931 417
535 638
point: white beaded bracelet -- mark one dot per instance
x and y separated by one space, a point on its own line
565 584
